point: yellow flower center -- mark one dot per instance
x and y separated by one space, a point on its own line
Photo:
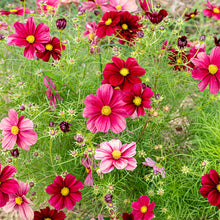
49 47
218 187
192 15
47 219
213 69
91 36
216 10
87 170
137 100
30 39
108 22
124 71
117 87
116 154
106 110
179 60
48 7
13 10
118 7
14 130
144 209
124 27
18 200
65 191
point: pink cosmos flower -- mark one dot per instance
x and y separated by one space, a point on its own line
7 186
207 69
91 28
88 163
47 6
50 95
30 37
143 209
17 11
92 5
3 26
17 130
19 202
137 99
157 167
114 154
212 11
105 110
121 5
65 192
64 2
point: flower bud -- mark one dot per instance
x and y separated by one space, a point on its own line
182 42
61 24
15 152
64 126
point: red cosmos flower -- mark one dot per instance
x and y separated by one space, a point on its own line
211 187
30 37
7 186
49 214
191 15
65 192
145 5
156 17
17 11
137 99
52 48
143 209
123 74
108 25
128 27
180 60
212 11
207 69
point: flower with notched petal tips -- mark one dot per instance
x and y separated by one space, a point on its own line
156 17
17 11
191 15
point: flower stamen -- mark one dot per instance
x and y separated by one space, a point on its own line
124 71
118 7
49 47
30 39
116 154
124 27
216 10
18 200
106 110
137 100
213 69
14 130
108 22
144 209
65 191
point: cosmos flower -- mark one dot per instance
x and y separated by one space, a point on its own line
145 5
128 28
123 74
114 154
92 5
91 28
4 26
156 17
143 209
17 130
207 69
211 188
17 11
20 202
50 95
121 5
52 48
105 111
137 99
191 15
88 163
157 167
212 11
65 192
47 6
108 25
7 186
49 214
30 37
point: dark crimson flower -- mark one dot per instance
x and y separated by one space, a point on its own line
145 5
49 214
191 15
136 100
182 42
211 187
180 60
108 198
217 41
126 216
51 124
65 192
128 27
61 23
108 25
15 152
64 126
17 11
156 17
52 48
123 74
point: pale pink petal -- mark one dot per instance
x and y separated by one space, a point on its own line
13 116
106 146
106 165
25 124
10 204
23 188
9 141
101 154
6 124
120 163
128 150
115 144
26 139
118 123
132 164
26 212
89 179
